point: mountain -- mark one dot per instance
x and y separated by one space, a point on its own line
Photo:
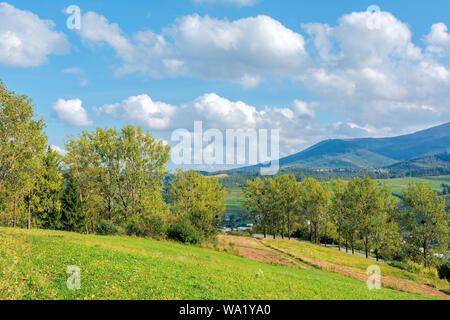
370 152
438 164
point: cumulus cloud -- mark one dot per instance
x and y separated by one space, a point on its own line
146 52
243 51
370 71
71 112
295 123
141 110
365 68
438 39
26 40
59 150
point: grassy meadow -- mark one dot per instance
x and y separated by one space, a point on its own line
33 265
400 184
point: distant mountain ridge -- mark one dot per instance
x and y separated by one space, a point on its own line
370 152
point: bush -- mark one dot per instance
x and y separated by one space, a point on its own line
106 228
135 227
184 231
444 271
152 225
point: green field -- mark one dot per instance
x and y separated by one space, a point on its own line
401 184
235 208
235 199
33 265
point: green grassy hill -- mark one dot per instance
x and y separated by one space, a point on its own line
33 265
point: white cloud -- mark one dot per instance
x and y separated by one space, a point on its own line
366 68
141 110
369 70
243 51
438 39
26 40
72 113
59 150
146 53
241 3
218 113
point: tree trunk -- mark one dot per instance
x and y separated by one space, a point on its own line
289 227
366 245
425 254
29 210
14 212
265 231
339 241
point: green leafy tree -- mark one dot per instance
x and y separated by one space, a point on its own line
72 215
199 199
255 203
315 201
288 200
46 204
22 144
82 161
428 222
338 207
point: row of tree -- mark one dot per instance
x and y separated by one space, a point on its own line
357 213
109 180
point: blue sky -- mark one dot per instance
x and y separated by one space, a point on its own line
314 69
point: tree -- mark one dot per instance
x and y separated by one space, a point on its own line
315 200
199 199
46 194
72 215
119 176
288 200
428 221
140 170
338 207
22 143
255 202
82 162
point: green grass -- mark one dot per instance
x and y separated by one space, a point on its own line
234 202
33 265
316 252
401 184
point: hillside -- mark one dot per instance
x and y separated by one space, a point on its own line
33 265
369 152
436 164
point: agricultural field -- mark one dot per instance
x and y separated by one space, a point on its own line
400 184
235 208
33 265
234 200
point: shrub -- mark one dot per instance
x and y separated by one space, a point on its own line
152 225
135 227
444 271
106 228
184 231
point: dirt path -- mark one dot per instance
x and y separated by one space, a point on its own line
265 256
386 281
